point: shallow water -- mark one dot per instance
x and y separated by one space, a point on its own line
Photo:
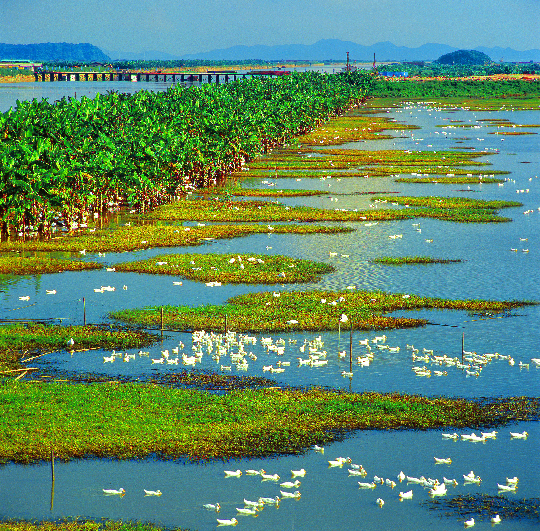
329 498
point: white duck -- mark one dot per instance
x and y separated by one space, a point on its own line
269 501
212 507
296 494
406 495
247 511
507 488
371 485
496 519
152 492
380 502
522 435
469 523
112 492
290 484
438 490
232 521
443 461
298 473
233 473
270 477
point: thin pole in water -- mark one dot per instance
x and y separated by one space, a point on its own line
84 310
350 350
161 320
462 346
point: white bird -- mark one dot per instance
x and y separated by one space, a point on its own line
298 473
249 503
443 461
232 521
339 461
380 502
371 485
270 501
233 473
111 492
318 448
390 483
508 488
296 494
50 291
70 342
290 484
471 478
377 479
447 481
419 481
401 476
496 519
522 435
255 472
152 492
212 507
453 436
469 523
438 490
512 481
270 477
406 495
247 511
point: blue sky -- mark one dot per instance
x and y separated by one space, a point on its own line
180 26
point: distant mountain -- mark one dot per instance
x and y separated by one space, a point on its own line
147 55
53 51
328 49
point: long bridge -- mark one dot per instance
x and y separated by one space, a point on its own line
215 76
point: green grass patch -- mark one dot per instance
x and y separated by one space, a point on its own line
18 340
34 265
405 260
266 211
127 421
478 179
231 268
157 235
79 525
312 310
257 192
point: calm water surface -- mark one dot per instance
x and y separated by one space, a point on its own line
330 499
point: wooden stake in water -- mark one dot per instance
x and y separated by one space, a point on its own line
161 320
462 346
226 328
84 310
350 351
52 480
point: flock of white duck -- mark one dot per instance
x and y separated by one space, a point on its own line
234 351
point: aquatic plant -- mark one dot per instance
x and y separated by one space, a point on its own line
231 268
309 310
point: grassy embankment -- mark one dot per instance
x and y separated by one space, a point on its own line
34 265
313 310
133 420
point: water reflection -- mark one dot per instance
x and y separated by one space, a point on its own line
330 498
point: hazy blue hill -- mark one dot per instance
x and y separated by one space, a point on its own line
53 51
327 49
465 57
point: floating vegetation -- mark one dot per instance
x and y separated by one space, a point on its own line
257 192
513 133
126 421
231 268
147 236
484 506
403 260
311 310
33 265
213 381
461 209
79 525
469 179
266 211
352 128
